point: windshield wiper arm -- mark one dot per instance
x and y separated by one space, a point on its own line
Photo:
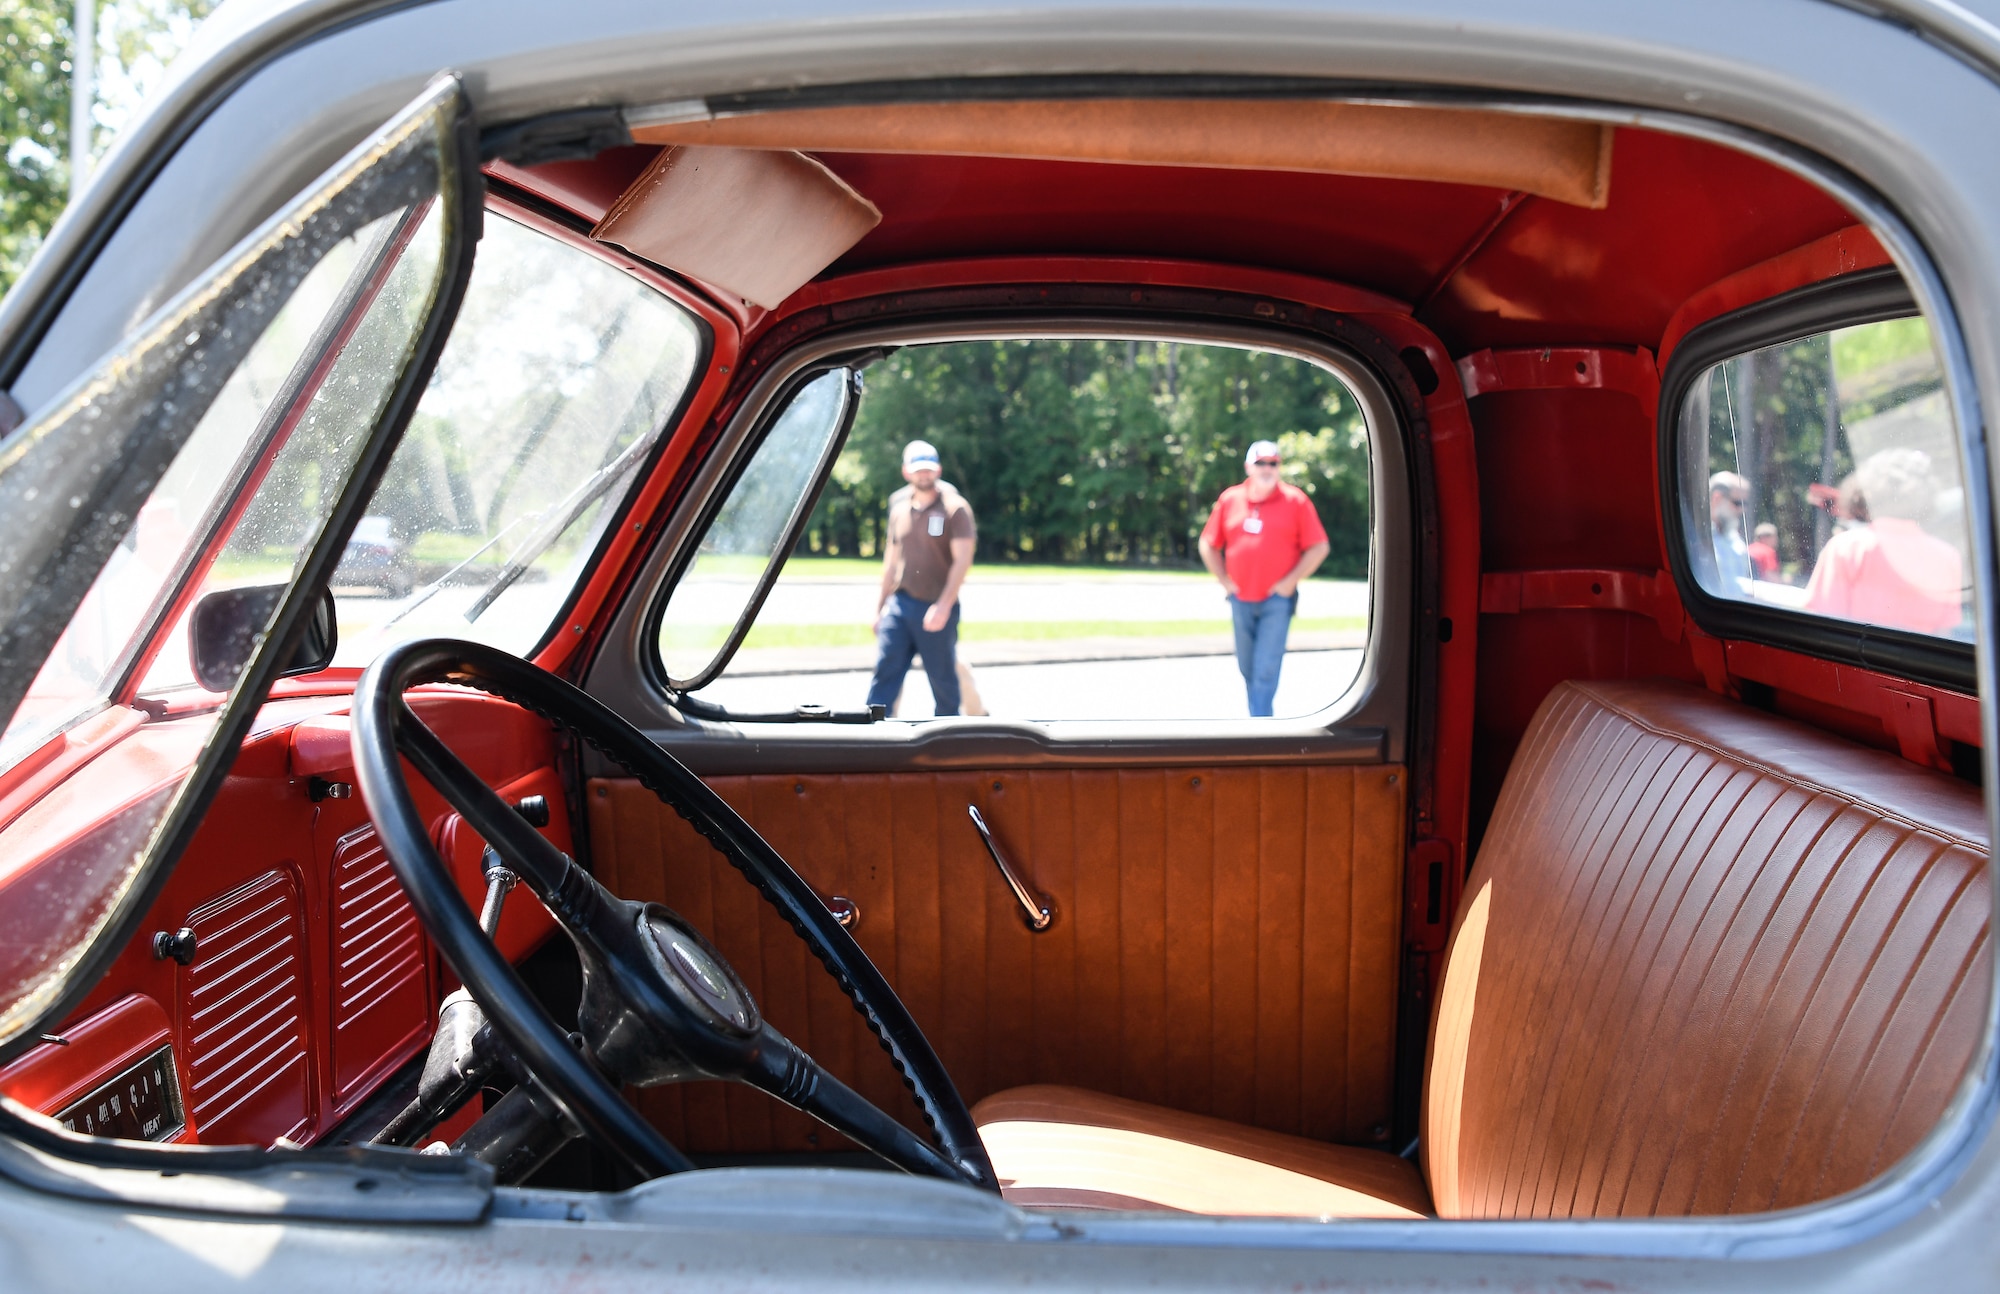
585 494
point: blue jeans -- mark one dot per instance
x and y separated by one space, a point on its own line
902 636
1261 628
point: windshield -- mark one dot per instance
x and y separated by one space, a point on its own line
554 387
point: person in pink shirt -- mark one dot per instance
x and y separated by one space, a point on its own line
1891 571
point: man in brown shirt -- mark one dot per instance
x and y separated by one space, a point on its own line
929 551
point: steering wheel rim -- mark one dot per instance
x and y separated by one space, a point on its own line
385 727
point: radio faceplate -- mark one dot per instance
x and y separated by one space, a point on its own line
141 1104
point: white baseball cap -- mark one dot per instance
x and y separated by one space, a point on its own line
920 453
1261 449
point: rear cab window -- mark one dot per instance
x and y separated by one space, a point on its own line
1819 481
1087 474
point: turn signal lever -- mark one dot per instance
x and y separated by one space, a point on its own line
499 880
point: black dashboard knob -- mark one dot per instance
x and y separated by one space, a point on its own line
180 945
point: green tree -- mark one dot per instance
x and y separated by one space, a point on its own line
136 40
34 94
1097 451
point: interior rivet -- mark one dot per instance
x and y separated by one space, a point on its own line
1195 782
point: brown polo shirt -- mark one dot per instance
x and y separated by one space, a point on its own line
925 535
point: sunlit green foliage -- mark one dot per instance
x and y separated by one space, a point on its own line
34 98
1097 451
136 39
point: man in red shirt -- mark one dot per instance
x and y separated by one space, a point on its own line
1262 538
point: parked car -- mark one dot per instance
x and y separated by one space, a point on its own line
373 559
1617 909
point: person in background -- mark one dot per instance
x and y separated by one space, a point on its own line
1764 553
1262 538
1891 571
931 537
1727 495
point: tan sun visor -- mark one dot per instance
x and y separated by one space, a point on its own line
1568 161
758 222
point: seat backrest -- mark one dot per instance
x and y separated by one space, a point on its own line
1710 961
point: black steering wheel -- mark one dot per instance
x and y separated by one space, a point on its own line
659 1004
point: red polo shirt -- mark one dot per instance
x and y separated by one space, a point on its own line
1261 542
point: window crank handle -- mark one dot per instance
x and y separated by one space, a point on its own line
1038 910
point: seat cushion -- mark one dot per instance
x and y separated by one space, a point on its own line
1065 1147
1710 961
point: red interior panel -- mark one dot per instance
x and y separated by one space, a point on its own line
312 979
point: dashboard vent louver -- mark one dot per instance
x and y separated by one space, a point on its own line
243 1010
381 994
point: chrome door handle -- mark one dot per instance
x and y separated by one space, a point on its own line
1038 910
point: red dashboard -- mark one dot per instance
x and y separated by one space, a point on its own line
281 975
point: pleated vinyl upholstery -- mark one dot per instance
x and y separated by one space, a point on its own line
1226 940
1710 961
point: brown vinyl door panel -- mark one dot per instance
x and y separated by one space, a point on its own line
1226 939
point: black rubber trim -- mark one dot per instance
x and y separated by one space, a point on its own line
1112 85
1868 296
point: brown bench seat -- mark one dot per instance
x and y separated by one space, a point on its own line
1710 961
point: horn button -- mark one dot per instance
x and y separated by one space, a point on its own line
697 974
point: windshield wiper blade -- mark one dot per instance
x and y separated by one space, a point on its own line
687 704
585 494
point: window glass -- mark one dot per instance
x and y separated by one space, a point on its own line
557 382
737 551
1822 475
127 593
296 487
1091 471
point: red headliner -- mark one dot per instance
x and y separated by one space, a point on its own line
1683 214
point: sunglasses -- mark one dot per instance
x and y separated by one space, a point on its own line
1266 462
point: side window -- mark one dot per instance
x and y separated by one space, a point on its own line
1821 475
740 552
1052 529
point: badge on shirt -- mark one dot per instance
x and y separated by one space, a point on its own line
937 524
1253 525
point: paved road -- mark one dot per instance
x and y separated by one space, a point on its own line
1117 677
1184 687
